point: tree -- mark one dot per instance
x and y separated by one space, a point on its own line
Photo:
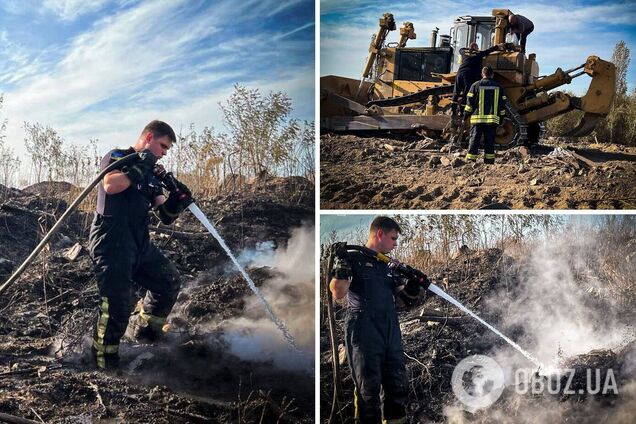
45 148
260 128
620 58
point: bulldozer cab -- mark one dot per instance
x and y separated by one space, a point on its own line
471 29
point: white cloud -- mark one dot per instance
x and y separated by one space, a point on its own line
146 56
69 10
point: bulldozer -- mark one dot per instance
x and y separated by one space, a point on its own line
410 88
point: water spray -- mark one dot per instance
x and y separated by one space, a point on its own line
170 182
409 271
280 324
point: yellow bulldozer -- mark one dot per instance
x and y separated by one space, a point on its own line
410 88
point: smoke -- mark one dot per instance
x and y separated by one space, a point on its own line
554 303
559 304
253 336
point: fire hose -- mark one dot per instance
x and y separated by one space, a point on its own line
126 160
397 266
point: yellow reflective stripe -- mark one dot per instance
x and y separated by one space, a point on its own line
481 100
395 421
101 332
484 119
470 156
153 319
502 112
468 108
471 94
489 155
105 348
356 409
496 100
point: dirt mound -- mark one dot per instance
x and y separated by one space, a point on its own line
52 188
406 173
436 336
192 376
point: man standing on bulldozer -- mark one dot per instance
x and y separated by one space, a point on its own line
467 74
485 106
520 25
121 250
373 338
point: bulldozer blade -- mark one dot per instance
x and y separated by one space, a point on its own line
343 101
585 126
417 97
385 122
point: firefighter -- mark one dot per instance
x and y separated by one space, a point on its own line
373 338
485 106
520 25
468 73
121 250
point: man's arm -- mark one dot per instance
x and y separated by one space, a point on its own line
115 182
159 200
339 287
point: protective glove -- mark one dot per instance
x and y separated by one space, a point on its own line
341 264
414 284
138 171
179 199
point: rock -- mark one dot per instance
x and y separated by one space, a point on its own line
6 266
434 160
457 162
72 253
534 181
445 161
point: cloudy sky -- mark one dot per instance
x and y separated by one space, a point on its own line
104 68
566 32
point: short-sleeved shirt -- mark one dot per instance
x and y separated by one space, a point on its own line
132 204
372 286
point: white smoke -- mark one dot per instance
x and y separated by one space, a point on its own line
556 305
254 336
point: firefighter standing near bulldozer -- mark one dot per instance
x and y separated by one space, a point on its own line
373 338
467 74
121 250
485 106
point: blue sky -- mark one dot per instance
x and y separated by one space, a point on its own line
565 34
103 69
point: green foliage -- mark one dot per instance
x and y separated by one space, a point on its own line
620 124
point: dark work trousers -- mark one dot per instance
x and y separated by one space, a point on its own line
488 132
463 81
376 359
123 254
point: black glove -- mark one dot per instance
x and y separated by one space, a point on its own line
341 264
178 200
416 281
138 171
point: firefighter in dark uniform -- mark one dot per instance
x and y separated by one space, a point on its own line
373 338
520 25
468 73
486 105
121 250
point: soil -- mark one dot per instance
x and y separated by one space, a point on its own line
436 336
411 172
192 376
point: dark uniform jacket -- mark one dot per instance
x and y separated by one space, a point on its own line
486 101
471 62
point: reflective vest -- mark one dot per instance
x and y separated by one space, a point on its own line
486 102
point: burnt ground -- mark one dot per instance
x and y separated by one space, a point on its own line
192 376
419 173
436 336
